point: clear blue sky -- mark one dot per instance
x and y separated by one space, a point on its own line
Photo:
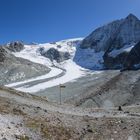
53 20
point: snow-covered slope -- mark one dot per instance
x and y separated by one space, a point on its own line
68 45
89 59
72 72
60 73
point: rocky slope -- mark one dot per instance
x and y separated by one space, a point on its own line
114 39
28 117
120 90
14 69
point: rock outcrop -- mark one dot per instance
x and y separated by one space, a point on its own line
15 46
3 54
54 54
133 58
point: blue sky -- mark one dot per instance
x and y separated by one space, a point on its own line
53 20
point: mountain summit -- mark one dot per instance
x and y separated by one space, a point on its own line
115 34
132 17
113 39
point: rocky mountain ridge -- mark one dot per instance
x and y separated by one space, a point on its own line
117 35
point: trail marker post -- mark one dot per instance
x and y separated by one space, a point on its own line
61 87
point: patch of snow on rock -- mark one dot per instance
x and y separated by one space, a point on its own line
116 52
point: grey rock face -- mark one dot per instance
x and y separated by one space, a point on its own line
54 54
133 58
3 54
101 37
128 34
115 62
15 46
113 37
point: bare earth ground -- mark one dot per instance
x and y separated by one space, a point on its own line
24 117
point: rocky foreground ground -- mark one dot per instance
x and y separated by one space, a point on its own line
28 117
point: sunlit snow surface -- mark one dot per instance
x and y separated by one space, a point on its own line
73 71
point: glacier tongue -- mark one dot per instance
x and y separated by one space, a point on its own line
73 72
68 69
